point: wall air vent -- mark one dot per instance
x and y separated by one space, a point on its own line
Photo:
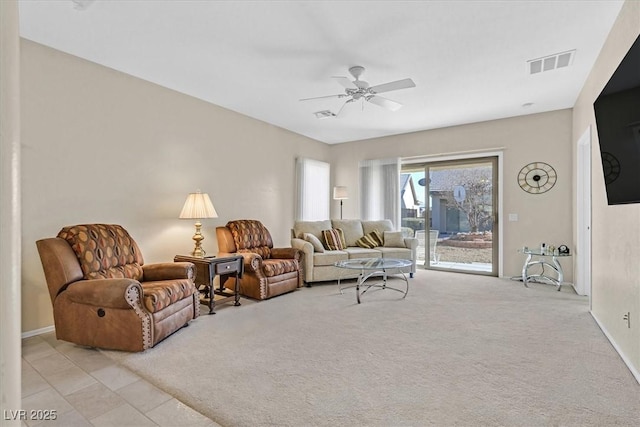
324 114
81 4
551 62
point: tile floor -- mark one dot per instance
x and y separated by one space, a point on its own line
86 388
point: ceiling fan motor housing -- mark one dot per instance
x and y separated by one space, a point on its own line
356 71
360 90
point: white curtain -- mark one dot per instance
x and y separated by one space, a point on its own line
380 190
313 190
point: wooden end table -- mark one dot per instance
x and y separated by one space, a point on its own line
209 267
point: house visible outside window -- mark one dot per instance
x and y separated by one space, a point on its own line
313 189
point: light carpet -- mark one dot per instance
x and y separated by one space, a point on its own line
460 350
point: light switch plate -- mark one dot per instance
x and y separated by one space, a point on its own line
513 217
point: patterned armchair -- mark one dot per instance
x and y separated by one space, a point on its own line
104 296
268 271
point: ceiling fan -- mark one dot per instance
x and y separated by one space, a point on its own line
360 90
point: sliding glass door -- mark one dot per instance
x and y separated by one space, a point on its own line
451 208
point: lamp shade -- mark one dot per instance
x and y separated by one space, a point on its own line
340 193
198 205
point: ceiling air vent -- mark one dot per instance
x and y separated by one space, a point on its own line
551 62
324 114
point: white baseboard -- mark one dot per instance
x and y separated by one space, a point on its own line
38 332
624 358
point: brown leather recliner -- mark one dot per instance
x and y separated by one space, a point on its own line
104 296
268 271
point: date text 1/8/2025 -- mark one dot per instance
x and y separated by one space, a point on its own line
33 414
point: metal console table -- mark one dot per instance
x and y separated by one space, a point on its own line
542 259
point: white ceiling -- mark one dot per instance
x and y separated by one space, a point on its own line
467 58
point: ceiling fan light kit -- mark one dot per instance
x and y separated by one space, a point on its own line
360 90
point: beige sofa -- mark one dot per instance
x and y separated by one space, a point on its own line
319 265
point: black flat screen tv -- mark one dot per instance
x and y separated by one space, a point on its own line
617 112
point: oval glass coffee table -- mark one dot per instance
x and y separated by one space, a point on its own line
375 267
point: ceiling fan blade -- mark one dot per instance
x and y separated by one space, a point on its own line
345 82
398 84
384 102
340 95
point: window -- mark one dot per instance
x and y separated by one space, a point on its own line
313 190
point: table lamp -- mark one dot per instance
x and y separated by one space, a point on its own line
198 206
340 193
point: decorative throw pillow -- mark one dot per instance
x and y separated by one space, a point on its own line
393 239
334 239
315 242
370 240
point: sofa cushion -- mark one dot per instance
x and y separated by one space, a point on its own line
381 226
275 267
398 253
393 239
329 257
370 240
311 227
162 293
357 252
352 229
315 242
333 239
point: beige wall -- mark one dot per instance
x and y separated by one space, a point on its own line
539 137
615 229
102 146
